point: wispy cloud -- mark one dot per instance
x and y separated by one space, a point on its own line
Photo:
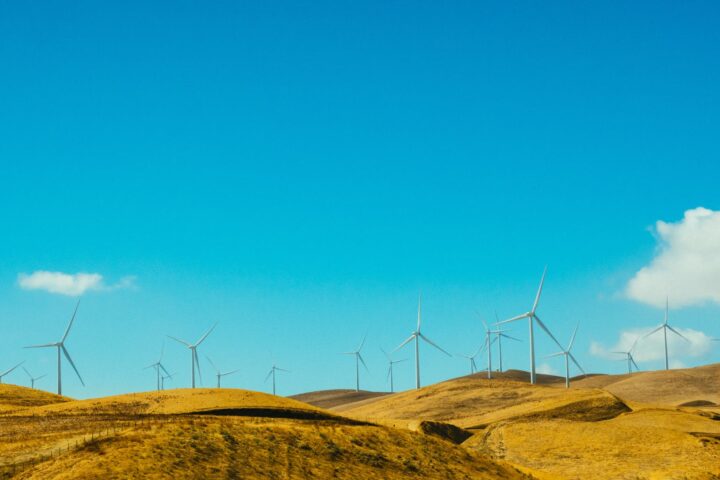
70 284
687 264
546 369
652 348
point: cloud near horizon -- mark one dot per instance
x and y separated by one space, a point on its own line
652 348
72 285
686 267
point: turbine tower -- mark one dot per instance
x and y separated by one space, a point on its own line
487 343
10 370
500 335
569 356
358 360
165 377
531 315
629 357
218 373
33 379
473 365
416 335
193 350
61 347
665 327
159 366
272 373
391 362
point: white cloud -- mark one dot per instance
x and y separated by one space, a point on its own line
652 348
546 369
687 264
69 284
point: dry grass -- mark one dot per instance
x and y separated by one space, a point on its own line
14 398
336 398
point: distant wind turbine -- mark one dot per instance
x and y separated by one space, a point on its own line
500 335
61 347
165 377
159 366
531 315
566 353
473 365
358 360
416 335
272 373
487 344
629 356
10 370
33 379
391 363
665 327
193 349
218 373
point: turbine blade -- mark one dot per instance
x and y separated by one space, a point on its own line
386 354
163 368
656 330
542 325
43 345
179 341
282 369
28 373
409 339
229 373
572 357
363 362
67 330
433 344
67 355
510 337
197 364
10 370
633 362
537 297
269 373
555 355
419 304
388 374
678 333
202 339
362 343
41 376
519 317
572 339
212 364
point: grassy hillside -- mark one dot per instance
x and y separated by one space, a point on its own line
14 397
336 398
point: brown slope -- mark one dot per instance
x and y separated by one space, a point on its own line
15 398
335 398
671 387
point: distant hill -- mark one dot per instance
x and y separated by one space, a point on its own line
335 398
15 397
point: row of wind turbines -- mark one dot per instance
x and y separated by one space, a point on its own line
492 336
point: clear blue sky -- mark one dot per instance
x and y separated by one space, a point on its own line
298 171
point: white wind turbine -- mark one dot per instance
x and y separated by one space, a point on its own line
218 373
487 344
193 349
629 356
9 370
473 365
391 363
500 335
61 347
531 315
272 373
416 335
665 327
33 379
159 366
566 353
358 360
165 377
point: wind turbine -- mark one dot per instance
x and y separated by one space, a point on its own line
629 356
487 343
473 365
391 362
665 327
531 315
10 370
158 366
500 335
416 335
358 360
61 347
33 379
566 353
193 349
163 378
272 373
218 373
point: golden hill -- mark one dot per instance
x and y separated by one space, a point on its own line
672 387
222 433
474 401
14 397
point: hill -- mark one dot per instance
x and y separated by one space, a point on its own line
15 397
336 398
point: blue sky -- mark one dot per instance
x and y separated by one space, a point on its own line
298 172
